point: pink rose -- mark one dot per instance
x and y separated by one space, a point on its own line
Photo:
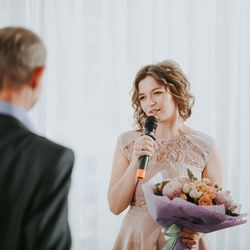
183 179
172 189
224 197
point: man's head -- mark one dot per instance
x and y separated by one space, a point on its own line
22 61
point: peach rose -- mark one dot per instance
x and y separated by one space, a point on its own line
183 196
205 189
204 200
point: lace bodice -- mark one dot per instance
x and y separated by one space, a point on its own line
174 155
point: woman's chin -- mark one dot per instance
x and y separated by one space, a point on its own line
156 115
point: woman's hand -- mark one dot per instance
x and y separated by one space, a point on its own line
143 145
190 238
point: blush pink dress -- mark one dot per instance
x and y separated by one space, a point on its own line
138 230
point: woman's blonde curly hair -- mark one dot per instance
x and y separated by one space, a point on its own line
166 73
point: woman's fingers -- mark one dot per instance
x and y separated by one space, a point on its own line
189 243
145 140
144 145
190 238
186 230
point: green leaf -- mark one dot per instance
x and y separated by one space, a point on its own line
191 175
157 188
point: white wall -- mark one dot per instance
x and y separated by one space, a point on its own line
95 47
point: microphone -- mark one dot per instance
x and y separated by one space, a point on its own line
149 128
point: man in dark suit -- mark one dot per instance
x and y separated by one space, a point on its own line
34 171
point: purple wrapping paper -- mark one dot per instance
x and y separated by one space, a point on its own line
185 214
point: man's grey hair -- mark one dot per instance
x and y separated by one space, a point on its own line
21 52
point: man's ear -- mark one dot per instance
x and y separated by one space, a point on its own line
35 79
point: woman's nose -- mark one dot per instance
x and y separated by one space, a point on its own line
151 102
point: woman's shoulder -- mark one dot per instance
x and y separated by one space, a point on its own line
128 137
202 140
201 135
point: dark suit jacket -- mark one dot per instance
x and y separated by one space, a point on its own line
34 183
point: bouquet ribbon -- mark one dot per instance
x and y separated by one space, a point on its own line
173 234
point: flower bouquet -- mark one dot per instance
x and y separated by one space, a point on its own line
185 202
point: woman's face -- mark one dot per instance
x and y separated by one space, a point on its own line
155 100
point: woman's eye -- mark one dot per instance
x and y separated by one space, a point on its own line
157 92
141 98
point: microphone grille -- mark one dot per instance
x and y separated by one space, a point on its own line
150 124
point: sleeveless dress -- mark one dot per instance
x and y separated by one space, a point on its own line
138 230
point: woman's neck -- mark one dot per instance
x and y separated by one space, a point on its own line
166 130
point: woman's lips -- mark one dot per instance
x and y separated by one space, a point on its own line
154 111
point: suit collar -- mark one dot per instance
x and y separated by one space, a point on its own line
16 112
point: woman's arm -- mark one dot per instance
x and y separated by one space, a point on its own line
123 177
213 169
122 183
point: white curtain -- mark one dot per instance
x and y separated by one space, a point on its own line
95 47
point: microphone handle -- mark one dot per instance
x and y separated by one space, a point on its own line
142 166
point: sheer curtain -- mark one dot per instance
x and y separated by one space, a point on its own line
95 47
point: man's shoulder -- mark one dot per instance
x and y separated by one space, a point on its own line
14 133
45 145
49 155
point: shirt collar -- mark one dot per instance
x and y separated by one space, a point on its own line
16 112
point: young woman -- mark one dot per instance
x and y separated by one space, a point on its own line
160 90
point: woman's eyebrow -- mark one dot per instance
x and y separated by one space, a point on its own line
151 90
